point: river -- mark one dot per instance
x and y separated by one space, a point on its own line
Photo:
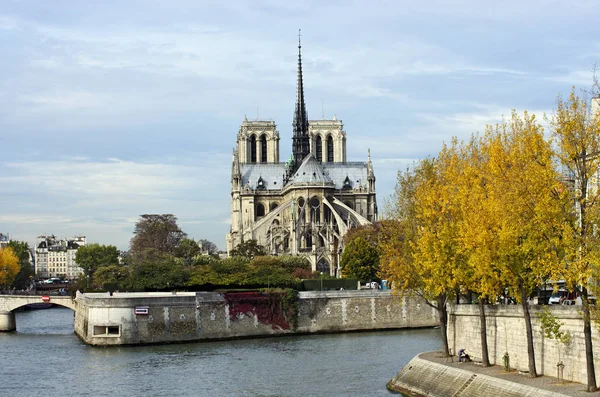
44 357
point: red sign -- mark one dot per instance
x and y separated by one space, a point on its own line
46 298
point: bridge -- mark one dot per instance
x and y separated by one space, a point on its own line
9 303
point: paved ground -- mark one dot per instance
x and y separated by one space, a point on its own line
542 382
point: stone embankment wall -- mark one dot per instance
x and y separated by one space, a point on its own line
177 317
425 378
506 333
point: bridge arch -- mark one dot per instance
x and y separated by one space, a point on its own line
9 303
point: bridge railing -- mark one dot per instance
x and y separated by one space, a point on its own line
32 293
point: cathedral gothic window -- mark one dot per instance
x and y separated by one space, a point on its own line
308 238
263 149
323 266
253 149
260 211
315 210
319 148
329 149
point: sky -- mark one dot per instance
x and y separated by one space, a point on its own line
113 109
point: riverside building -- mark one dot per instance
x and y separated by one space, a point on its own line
56 257
303 206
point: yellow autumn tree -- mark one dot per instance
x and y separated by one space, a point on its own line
524 209
420 254
576 130
9 267
476 237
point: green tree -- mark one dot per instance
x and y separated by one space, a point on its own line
551 327
241 271
26 273
156 270
156 231
187 250
202 260
360 260
111 277
91 257
293 263
270 271
224 272
249 249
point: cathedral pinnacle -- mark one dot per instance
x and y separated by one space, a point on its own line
300 140
236 174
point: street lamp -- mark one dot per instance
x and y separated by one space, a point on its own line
321 281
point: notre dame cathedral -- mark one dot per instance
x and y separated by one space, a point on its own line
303 206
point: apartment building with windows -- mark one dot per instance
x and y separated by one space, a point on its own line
55 257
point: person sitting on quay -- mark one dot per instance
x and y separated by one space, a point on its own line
463 357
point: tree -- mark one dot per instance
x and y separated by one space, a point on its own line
156 270
230 271
270 271
368 232
551 327
92 257
111 276
249 249
9 266
25 275
156 231
475 230
208 247
187 250
360 260
577 134
419 249
525 207
293 263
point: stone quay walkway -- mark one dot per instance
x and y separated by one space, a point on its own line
548 383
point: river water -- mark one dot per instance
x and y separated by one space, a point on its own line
44 357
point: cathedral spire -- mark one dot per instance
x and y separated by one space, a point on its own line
300 140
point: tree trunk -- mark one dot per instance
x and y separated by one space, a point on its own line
589 349
527 316
443 314
485 360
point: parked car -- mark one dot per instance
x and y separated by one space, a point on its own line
371 285
558 297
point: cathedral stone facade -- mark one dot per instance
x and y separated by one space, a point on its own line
303 206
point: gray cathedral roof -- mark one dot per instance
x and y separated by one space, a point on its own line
342 175
311 172
347 175
271 174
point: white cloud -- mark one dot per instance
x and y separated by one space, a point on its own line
90 196
42 219
583 78
62 101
